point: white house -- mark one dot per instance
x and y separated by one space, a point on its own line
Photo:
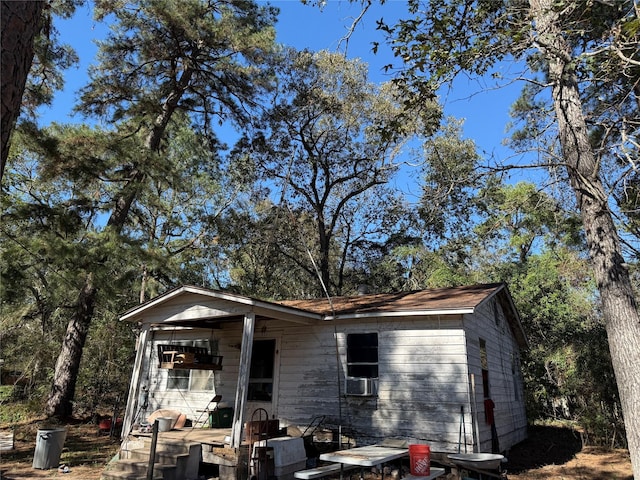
441 366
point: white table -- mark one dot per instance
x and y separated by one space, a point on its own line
368 456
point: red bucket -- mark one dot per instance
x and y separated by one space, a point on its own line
420 460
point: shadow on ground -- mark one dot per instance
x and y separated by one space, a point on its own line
546 445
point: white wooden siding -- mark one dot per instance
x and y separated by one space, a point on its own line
421 386
502 352
190 306
424 371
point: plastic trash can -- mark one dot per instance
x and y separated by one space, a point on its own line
221 417
49 443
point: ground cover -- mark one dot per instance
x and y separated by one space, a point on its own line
549 453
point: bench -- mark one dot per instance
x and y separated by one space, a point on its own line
435 473
322 471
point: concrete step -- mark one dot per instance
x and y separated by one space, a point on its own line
139 469
173 461
169 446
118 475
165 458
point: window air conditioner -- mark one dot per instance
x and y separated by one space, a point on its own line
360 386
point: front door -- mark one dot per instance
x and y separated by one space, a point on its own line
262 391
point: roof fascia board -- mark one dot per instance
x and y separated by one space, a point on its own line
412 313
495 292
290 314
517 323
257 306
516 317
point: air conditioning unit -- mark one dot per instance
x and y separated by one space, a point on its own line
360 386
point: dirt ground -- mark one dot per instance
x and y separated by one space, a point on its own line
549 453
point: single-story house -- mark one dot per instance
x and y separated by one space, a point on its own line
439 366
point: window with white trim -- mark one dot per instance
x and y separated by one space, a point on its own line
192 380
362 355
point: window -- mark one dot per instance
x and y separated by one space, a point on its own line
201 380
515 373
178 379
192 380
362 355
261 372
484 364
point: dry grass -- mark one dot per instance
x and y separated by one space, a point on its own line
549 453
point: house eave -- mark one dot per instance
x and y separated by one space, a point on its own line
400 313
257 307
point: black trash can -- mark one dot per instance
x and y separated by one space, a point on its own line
49 443
221 417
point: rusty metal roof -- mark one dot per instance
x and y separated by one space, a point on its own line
439 299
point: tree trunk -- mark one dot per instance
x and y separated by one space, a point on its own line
21 21
610 272
68 363
62 394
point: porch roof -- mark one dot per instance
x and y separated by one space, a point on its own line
222 307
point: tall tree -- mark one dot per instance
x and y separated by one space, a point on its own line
50 234
21 21
567 41
529 240
32 60
58 189
434 251
330 138
163 57
263 247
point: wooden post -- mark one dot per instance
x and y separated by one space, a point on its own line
243 378
474 414
134 388
152 450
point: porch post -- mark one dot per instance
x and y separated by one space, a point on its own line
243 379
134 387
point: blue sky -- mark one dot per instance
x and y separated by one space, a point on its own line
485 110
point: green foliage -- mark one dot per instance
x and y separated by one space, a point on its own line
413 266
568 371
13 412
51 58
327 147
205 58
264 251
106 365
57 193
443 38
450 185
